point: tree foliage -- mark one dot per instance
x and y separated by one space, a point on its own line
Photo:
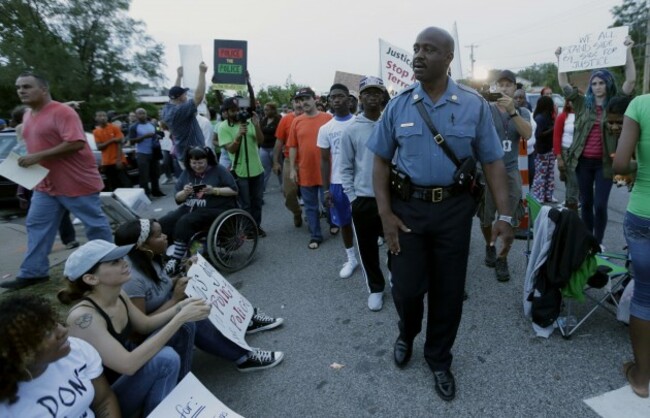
278 94
541 75
634 14
89 50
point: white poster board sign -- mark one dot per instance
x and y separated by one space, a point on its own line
595 50
28 177
230 312
190 399
191 57
396 67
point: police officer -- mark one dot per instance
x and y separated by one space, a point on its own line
428 233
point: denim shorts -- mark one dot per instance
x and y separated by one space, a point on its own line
637 235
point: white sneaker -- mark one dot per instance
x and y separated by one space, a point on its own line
380 241
348 268
376 301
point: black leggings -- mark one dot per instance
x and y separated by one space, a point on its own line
182 224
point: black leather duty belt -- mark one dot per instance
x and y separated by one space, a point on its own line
435 194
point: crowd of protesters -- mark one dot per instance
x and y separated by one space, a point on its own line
333 156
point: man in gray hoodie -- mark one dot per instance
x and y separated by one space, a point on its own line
356 176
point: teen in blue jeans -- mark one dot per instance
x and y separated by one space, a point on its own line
594 195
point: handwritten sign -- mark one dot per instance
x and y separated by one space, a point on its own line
230 61
231 312
191 57
28 177
190 399
396 67
595 50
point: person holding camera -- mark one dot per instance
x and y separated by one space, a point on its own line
512 124
428 230
203 191
241 134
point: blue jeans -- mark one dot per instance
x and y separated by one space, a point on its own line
183 343
251 195
147 387
209 339
266 155
594 195
66 229
637 236
310 196
43 220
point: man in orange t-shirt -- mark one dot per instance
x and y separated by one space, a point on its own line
306 170
289 187
109 139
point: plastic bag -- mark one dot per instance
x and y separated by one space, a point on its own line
623 311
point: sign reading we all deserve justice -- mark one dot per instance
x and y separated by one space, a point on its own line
230 312
230 64
595 50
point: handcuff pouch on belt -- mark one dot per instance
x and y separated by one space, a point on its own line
466 176
400 183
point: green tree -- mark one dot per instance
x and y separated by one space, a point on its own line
634 14
278 94
90 50
541 75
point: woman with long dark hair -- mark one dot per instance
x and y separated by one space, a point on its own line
544 182
152 291
104 316
204 190
269 125
592 147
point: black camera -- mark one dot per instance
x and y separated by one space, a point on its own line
491 97
243 115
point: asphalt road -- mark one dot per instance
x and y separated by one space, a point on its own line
501 368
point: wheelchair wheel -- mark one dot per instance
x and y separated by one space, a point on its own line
232 240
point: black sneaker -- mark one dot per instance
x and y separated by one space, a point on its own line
260 360
262 322
490 255
501 269
173 267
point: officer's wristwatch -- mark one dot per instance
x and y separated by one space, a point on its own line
513 114
505 218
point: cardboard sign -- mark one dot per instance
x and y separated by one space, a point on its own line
230 64
190 399
28 177
396 67
595 50
231 312
191 57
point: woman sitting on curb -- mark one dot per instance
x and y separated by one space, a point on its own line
105 317
38 362
152 291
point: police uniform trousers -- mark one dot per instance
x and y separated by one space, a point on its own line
432 262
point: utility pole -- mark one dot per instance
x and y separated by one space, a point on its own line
471 56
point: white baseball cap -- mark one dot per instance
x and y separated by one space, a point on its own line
91 253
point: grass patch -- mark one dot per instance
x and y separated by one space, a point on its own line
48 290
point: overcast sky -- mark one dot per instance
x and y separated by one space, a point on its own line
311 40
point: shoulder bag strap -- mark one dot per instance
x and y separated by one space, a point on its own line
437 137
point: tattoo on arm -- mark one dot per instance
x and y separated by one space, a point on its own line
84 321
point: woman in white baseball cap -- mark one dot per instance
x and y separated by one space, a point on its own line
105 317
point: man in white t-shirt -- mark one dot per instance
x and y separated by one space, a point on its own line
329 137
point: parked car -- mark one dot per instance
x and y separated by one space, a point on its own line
558 99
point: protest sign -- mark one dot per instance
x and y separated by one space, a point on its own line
191 57
190 399
28 177
396 67
230 64
595 50
230 312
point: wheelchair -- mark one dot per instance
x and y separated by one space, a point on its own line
230 242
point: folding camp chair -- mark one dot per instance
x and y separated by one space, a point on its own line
617 277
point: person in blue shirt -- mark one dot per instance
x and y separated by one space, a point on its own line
428 233
143 135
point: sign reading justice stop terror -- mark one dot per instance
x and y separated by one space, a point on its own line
230 64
